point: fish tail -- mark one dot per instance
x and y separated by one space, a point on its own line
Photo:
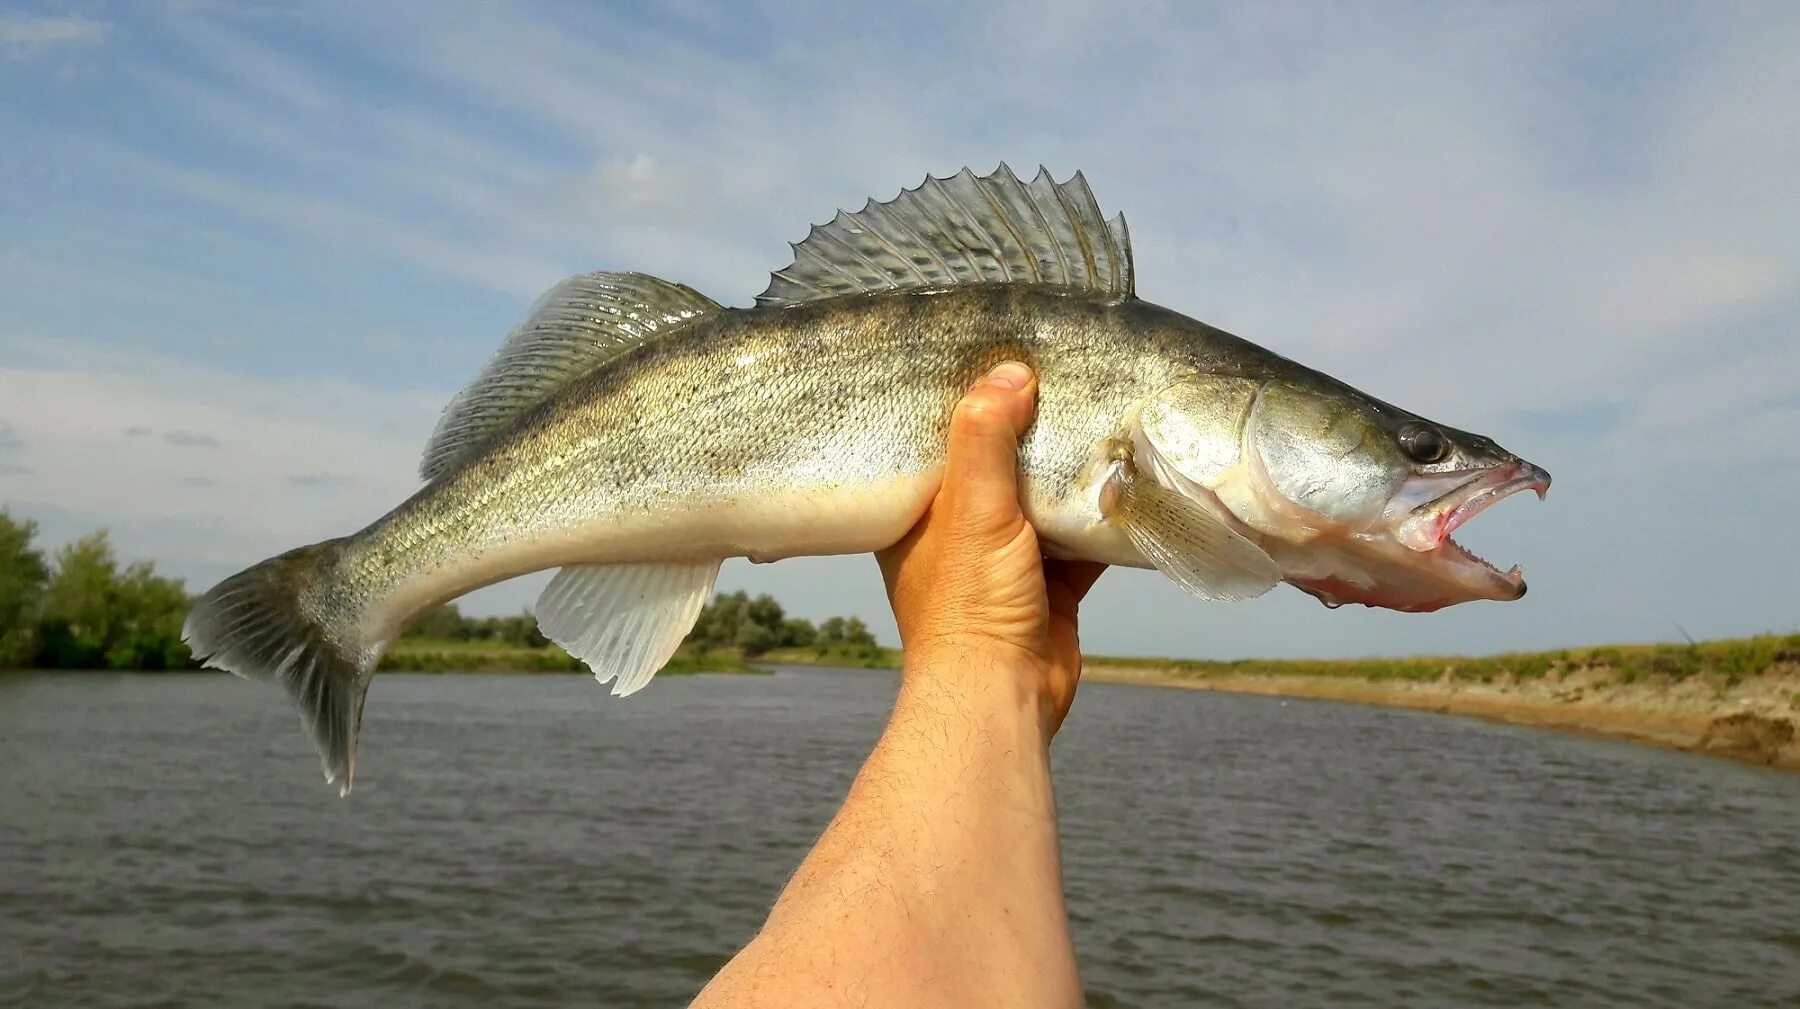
263 624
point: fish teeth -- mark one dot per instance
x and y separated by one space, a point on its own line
1472 555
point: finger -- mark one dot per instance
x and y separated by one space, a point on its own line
982 470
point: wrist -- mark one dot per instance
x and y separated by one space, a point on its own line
985 680
972 650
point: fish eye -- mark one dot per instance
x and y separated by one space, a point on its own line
1423 442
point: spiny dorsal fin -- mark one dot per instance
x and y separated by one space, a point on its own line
579 323
964 230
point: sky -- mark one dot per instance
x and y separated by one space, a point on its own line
247 252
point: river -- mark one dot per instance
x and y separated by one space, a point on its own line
527 841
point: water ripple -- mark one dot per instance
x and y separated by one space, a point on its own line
527 842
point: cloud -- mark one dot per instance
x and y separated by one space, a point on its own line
10 443
29 34
1447 226
138 431
202 527
190 439
318 480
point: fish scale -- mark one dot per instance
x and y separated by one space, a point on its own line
635 434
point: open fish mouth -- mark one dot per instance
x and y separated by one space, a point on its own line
1427 528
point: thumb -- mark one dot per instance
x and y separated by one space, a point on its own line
981 477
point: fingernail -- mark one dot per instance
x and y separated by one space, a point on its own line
1008 375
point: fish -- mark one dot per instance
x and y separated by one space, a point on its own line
634 434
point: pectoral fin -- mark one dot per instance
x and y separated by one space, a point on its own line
624 620
1194 547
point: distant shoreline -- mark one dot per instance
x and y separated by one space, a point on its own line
1649 714
1738 698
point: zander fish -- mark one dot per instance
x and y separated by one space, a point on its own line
634 434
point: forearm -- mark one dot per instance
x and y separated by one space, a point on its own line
939 880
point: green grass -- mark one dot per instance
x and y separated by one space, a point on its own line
1727 660
1724 662
840 656
425 655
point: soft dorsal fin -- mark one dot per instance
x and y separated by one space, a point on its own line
579 323
964 230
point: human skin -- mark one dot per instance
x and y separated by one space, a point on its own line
939 881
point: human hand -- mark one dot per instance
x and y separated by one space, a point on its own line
972 592
939 881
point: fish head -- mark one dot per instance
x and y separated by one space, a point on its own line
1355 499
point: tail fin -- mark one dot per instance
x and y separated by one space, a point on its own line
261 625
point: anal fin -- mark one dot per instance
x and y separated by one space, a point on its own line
624 620
1195 548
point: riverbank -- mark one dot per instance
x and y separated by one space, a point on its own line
428 655
1736 698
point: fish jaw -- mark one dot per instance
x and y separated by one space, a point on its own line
1410 562
1429 526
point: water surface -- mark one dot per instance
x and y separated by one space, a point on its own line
522 841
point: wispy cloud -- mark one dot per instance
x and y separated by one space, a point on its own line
190 439
369 440
29 34
318 480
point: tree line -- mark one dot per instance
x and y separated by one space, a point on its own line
81 608
732 620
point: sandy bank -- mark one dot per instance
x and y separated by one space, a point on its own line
1754 718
